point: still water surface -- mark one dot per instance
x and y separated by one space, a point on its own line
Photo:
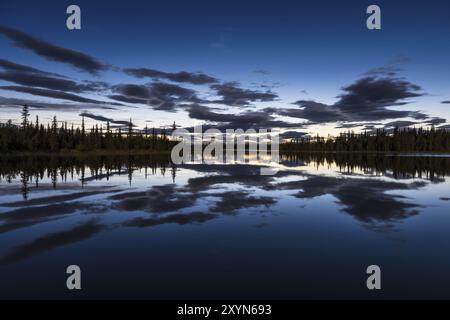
140 227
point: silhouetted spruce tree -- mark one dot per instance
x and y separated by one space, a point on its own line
25 115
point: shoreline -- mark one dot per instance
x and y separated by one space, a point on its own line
387 153
76 153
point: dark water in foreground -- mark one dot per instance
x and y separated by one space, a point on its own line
140 227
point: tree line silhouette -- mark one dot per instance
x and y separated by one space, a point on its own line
55 137
398 140
35 136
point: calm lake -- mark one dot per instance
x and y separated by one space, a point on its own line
140 227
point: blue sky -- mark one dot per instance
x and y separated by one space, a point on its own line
304 51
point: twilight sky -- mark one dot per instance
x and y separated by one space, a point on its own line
304 66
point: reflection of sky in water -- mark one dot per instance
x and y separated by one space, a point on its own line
229 225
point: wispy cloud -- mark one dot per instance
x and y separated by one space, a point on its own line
12 66
54 94
182 76
159 95
77 59
104 119
232 94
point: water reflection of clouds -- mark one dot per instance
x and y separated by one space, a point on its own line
206 192
365 200
53 240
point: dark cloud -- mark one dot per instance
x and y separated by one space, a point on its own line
32 77
104 119
390 69
233 95
313 111
183 76
367 99
161 96
370 129
52 94
293 135
126 99
445 102
204 113
48 82
18 103
405 124
11 66
376 93
435 121
89 85
400 124
350 125
384 71
250 119
52 52
159 89
444 127
133 91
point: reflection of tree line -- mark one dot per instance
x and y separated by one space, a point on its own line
397 166
32 170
